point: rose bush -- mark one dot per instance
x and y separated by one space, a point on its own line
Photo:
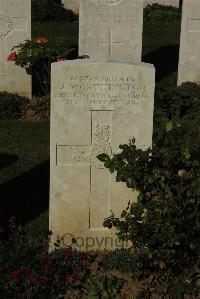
36 56
28 270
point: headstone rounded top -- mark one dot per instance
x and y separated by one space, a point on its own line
112 1
6 24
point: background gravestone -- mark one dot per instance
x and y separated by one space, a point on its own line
15 27
174 3
111 29
189 56
95 107
72 5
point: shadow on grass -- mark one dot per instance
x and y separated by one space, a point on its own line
26 196
164 59
6 160
73 54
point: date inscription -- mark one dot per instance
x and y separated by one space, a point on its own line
101 90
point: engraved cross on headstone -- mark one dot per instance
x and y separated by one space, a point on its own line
8 25
86 155
111 43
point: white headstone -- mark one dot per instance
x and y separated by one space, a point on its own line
174 3
111 29
95 107
74 5
189 56
15 27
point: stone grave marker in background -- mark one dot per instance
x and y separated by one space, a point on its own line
174 3
15 27
95 107
72 5
189 56
111 29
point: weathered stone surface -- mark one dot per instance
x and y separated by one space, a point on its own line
111 29
174 3
72 5
15 27
95 107
189 56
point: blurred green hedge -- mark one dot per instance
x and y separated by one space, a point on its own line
50 10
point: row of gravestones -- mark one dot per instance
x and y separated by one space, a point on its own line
109 29
96 104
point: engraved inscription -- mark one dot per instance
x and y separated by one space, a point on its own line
101 145
112 1
112 15
102 90
6 25
117 18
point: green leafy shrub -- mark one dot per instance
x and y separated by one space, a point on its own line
160 13
103 287
11 106
164 224
50 10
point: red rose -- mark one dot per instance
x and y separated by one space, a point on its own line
41 40
60 58
15 275
12 56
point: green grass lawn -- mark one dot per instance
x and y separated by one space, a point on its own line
24 149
